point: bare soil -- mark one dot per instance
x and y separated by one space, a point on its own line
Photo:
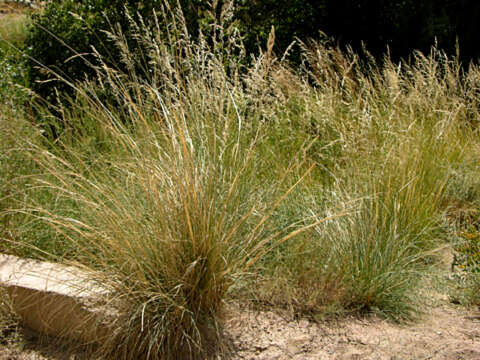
442 331
447 332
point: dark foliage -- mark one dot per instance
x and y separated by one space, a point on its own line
397 26
64 35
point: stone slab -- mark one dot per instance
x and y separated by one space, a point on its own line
54 299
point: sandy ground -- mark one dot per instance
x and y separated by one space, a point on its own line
447 333
444 331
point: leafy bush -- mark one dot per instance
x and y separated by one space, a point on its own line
466 287
64 37
468 251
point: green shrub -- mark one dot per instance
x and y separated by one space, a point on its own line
403 26
69 28
467 255
62 42
172 213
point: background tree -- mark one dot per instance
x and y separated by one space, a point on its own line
398 25
465 16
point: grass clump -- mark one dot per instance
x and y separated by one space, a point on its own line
371 258
390 164
164 200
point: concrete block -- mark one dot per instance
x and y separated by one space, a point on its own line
56 300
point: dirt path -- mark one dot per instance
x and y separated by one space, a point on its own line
443 332
446 333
